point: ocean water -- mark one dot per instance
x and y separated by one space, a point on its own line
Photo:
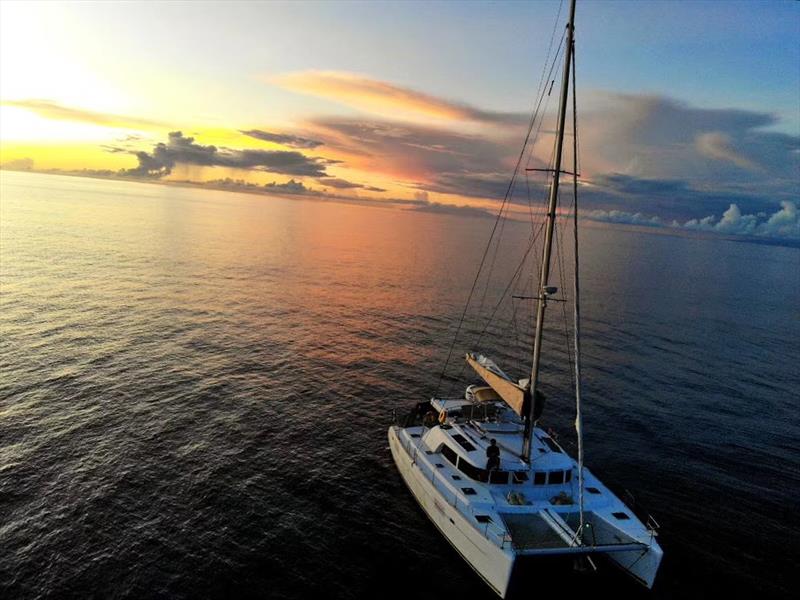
195 388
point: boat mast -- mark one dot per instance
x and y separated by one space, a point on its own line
548 240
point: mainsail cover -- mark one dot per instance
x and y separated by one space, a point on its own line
510 392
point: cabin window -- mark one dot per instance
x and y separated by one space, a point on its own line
456 477
439 466
567 476
498 477
468 491
483 518
449 454
592 490
621 516
539 478
556 477
519 477
462 441
470 470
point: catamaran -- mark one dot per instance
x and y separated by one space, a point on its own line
499 487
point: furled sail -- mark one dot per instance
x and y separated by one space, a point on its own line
513 394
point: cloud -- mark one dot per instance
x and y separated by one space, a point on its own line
289 187
180 149
19 164
386 98
622 217
644 137
465 183
111 149
656 137
734 222
781 225
52 110
429 158
784 223
285 139
335 182
451 209
640 154
717 145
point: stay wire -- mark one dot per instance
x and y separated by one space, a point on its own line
509 191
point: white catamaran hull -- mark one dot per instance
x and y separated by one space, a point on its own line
493 554
492 563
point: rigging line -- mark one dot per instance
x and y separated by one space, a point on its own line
512 184
542 81
499 216
479 337
520 267
550 46
542 113
514 278
530 199
548 96
508 193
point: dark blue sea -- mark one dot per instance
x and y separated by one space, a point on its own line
195 388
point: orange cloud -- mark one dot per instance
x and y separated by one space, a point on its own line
58 112
385 98
717 145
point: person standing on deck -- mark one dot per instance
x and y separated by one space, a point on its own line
492 456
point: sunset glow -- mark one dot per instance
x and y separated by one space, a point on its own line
405 110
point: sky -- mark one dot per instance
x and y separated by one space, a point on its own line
689 113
